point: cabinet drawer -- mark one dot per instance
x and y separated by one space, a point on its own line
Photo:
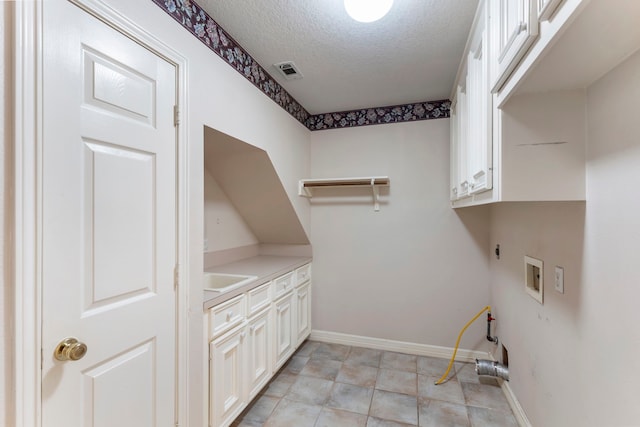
282 285
226 315
258 298
303 274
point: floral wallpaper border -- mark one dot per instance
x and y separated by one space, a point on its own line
380 115
198 22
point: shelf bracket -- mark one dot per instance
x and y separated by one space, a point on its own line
376 195
303 191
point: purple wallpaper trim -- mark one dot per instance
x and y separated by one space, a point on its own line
198 22
381 115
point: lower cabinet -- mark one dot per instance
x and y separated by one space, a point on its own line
250 337
227 386
303 312
284 339
259 352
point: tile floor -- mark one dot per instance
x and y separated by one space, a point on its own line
332 385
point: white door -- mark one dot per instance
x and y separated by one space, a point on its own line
108 225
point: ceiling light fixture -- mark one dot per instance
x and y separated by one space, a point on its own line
367 10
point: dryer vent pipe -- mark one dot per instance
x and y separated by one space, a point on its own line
492 369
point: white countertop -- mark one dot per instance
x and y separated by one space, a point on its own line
265 267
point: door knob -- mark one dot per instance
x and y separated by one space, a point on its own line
70 349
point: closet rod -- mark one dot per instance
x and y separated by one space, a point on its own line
305 185
346 182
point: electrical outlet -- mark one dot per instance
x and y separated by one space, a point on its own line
559 279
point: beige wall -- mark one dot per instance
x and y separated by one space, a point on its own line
415 271
224 227
6 275
574 361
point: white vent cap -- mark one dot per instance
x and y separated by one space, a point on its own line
288 70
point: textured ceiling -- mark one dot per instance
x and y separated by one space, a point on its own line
411 55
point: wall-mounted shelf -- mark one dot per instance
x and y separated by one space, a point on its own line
305 186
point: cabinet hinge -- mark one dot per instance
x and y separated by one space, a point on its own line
176 115
176 276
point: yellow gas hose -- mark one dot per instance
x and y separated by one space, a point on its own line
453 357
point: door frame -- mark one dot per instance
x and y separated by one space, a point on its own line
27 254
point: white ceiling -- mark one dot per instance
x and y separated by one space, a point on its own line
410 55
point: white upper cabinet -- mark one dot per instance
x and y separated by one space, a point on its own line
459 152
479 109
454 149
471 160
518 104
516 22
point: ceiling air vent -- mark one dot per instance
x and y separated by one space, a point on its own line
288 70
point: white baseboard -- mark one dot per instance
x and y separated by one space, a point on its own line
518 412
398 346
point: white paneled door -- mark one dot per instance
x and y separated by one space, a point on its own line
108 226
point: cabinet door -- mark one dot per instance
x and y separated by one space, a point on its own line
516 28
462 182
479 153
303 312
226 377
453 151
259 352
283 329
546 8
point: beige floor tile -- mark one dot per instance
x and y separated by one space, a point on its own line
485 396
484 417
449 391
433 366
397 381
280 384
295 364
364 376
293 414
436 413
351 398
261 409
247 423
336 418
322 368
307 348
396 407
331 351
310 390
377 422
364 356
398 361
